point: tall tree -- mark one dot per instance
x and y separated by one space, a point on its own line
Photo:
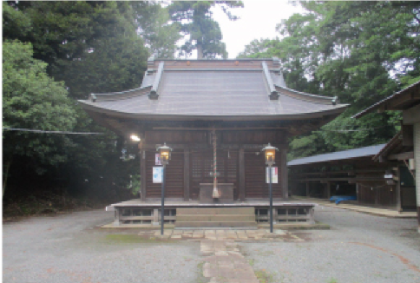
31 99
358 51
196 23
91 47
159 33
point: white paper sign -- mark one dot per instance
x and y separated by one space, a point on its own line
157 159
274 175
157 174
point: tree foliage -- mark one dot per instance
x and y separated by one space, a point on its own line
358 51
195 20
90 47
31 99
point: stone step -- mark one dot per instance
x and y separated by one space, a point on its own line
216 224
216 210
217 217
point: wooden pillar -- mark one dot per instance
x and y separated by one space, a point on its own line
143 175
116 216
155 217
274 215
311 216
186 174
358 192
241 169
284 182
307 188
376 196
398 192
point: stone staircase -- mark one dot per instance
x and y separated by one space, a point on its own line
215 217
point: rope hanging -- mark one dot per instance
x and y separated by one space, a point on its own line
216 193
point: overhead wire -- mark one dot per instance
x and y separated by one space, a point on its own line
51 132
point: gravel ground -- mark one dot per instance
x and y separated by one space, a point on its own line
358 248
71 248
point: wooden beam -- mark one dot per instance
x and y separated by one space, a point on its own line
398 192
328 190
402 156
407 135
241 167
375 179
143 175
219 128
284 184
307 188
186 174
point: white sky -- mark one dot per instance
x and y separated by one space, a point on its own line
258 19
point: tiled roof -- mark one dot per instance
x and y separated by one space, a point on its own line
213 90
339 155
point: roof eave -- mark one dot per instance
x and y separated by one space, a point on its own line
87 105
381 103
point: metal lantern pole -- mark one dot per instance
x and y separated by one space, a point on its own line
162 208
270 154
271 200
165 156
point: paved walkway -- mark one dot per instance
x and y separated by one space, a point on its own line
365 209
224 263
241 235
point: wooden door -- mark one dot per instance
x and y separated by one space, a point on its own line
201 163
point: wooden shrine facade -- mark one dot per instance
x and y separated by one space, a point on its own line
245 103
239 163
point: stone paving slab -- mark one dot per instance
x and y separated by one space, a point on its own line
222 235
224 265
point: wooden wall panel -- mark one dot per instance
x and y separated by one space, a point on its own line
177 137
254 137
201 164
174 185
255 185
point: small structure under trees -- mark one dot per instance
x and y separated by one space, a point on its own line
213 114
355 172
405 146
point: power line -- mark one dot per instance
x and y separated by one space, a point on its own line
51 132
359 130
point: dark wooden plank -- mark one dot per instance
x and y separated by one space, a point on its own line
241 164
283 173
186 174
143 175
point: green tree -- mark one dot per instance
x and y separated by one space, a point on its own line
202 32
33 100
157 30
92 47
358 51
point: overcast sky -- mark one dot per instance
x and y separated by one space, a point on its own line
258 19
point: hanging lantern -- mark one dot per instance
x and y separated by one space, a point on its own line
270 154
165 153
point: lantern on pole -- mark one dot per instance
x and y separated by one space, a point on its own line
165 156
270 157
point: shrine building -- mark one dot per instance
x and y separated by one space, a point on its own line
208 110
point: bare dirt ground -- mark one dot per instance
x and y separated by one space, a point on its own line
72 248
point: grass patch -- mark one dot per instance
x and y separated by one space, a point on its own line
251 262
131 239
200 276
332 280
263 276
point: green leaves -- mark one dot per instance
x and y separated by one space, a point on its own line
361 52
195 20
31 99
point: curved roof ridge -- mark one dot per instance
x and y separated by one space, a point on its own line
120 94
312 97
